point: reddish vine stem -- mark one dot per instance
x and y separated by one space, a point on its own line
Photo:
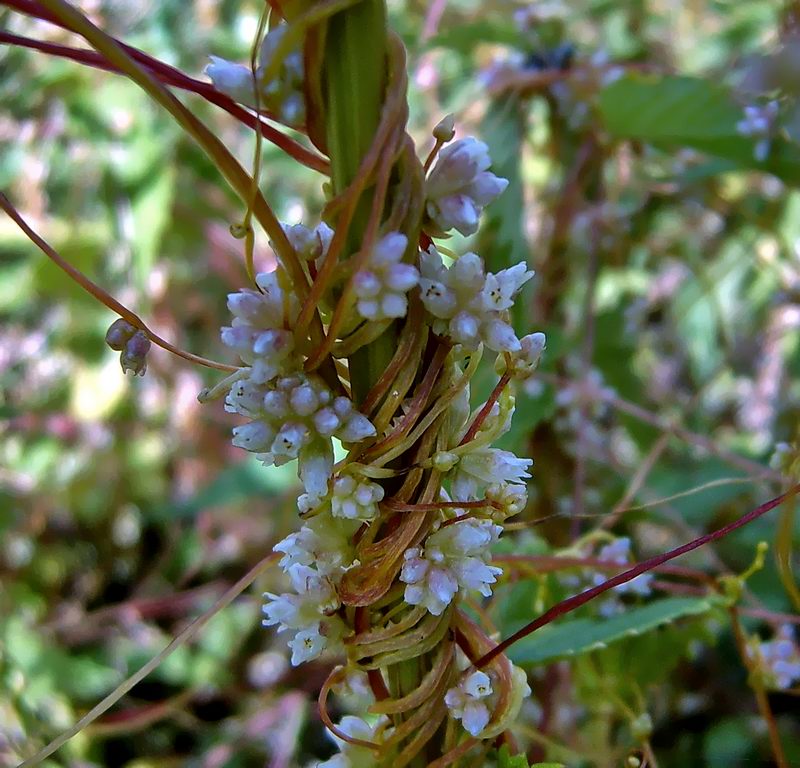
550 563
572 603
762 699
168 75
486 410
103 296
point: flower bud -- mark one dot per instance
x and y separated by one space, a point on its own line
134 356
119 334
445 129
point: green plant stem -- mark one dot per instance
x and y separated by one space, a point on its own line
355 79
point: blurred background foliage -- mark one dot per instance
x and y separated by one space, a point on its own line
668 283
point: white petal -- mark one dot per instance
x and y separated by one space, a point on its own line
357 428
475 718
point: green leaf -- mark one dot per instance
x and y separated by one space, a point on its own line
152 209
571 638
464 38
675 111
247 479
502 235
506 760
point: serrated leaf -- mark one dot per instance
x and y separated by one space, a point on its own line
676 111
571 638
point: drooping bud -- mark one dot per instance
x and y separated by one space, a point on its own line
134 356
119 334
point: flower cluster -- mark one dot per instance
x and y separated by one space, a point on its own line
618 552
453 558
295 417
279 81
260 332
311 245
760 122
469 305
381 288
778 660
293 413
309 611
459 186
468 701
355 499
354 755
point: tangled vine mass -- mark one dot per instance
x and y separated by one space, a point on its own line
396 535
360 358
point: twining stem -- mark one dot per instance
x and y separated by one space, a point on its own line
174 77
576 601
758 688
103 296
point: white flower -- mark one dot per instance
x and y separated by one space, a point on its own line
454 557
234 80
258 333
295 417
381 288
509 497
323 542
483 466
525 362
281 94
619 551
354 755
460 185
469 700
310 244
310 611
355 499
780 659
469 305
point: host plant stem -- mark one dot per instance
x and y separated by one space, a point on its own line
355 79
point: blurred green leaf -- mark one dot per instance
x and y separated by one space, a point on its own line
464 38
152 211
247 479
676 111
506 760
577 636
